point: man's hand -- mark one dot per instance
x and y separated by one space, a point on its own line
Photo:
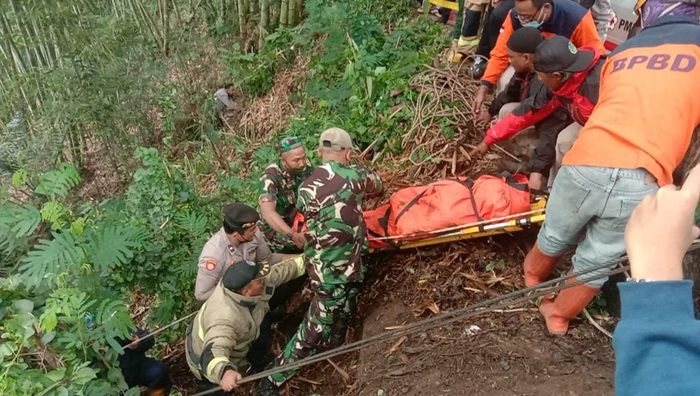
479 150
479 100
661 230
230 379
483 119
535 182
298 239
133 344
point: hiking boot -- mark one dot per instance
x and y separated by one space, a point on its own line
461 48
479 67
266 388
453 56
537 266
569 303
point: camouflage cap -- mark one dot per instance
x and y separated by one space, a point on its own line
238 275
289 143
336 139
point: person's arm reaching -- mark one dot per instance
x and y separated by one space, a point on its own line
656 341
509 95
374 183
528 113
498 59
586 34
292 268
269 214
498 63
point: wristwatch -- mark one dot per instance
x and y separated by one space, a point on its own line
639 280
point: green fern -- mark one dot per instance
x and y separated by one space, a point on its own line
114 319
49 258
58 182
26 219
194 223
114 245
20 178
55 214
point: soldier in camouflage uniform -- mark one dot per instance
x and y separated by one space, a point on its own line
330 200
277 191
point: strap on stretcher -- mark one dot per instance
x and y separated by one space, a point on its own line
472 232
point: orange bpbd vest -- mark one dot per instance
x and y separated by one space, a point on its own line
447 203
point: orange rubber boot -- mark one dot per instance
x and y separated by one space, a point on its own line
568 304
537 266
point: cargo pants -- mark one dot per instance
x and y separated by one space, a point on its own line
324 325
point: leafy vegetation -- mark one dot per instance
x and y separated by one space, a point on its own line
115 89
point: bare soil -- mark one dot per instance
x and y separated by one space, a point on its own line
500 353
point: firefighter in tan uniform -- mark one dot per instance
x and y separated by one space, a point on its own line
229 333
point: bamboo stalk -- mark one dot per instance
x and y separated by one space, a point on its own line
150 23
177 12
299 10
43 47
252 9
291 13
264 22
274 12
242 18
284 13
19 20
166 26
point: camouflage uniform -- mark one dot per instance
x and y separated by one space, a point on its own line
330 200
279 185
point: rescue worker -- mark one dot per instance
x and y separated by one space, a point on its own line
525 84
231 331
277 198
465 33
331 202
552 17
602 13
572 76
495 15
238 239
141 370
224 99
637 135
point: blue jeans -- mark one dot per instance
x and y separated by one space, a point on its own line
599 201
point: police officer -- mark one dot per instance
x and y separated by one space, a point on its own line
238 239
330 200
231 331
278 196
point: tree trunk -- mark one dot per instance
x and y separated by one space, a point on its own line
264 22
274 15
284 13
298 10
242 10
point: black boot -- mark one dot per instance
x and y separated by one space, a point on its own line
266 388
